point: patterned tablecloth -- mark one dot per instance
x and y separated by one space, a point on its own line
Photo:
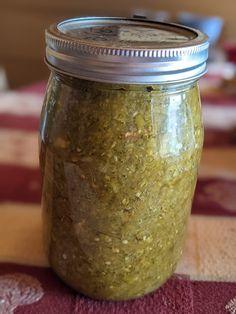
205 280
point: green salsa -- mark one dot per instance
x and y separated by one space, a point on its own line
119 166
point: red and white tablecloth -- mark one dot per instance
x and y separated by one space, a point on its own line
205 280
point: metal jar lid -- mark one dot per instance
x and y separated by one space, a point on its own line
122 50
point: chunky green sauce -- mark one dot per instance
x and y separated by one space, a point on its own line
119 166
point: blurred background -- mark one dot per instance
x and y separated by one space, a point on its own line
22 25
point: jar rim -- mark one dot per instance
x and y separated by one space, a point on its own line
124 50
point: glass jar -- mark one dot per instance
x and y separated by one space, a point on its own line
119 152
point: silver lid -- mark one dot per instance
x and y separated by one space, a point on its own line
122 50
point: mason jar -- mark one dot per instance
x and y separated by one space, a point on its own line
120 143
